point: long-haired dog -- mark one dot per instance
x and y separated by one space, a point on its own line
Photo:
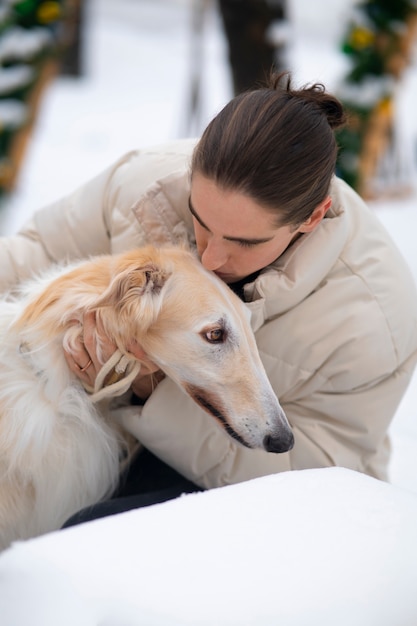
59 447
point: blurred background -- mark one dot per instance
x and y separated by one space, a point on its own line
83 81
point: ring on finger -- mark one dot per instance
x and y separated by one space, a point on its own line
82 369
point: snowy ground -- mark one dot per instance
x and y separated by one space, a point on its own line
325 547
319 547
136 92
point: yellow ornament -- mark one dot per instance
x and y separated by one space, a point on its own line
361 38
48 12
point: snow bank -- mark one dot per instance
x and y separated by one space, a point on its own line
317 547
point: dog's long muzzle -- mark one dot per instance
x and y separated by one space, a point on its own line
279 438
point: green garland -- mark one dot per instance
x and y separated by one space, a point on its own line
377 43
29 36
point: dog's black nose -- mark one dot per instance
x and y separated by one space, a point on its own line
279 444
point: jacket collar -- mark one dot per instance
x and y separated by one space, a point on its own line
298 272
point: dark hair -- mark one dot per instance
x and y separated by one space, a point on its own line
276 145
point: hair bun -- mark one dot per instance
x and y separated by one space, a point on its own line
315 94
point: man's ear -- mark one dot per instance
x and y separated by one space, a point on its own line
316 216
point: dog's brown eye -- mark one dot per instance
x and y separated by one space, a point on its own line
215 336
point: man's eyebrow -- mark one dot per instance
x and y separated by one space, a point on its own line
251 241
194 214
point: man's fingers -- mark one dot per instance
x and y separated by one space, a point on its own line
89 334
148 366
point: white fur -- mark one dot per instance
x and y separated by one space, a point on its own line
60 451
53 441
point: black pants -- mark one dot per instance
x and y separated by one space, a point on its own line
148 481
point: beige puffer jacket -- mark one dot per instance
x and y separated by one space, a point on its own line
335 319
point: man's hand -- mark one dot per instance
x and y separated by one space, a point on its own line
149 376
85 364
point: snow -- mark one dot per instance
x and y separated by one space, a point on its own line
314 547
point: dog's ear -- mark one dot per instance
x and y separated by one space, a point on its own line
138 281
135 294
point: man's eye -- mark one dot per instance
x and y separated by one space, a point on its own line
215 336
246 244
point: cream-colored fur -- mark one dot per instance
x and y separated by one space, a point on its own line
59 450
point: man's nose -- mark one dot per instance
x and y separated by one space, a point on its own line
214 256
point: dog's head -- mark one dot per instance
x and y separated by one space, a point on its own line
198 332
186 320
